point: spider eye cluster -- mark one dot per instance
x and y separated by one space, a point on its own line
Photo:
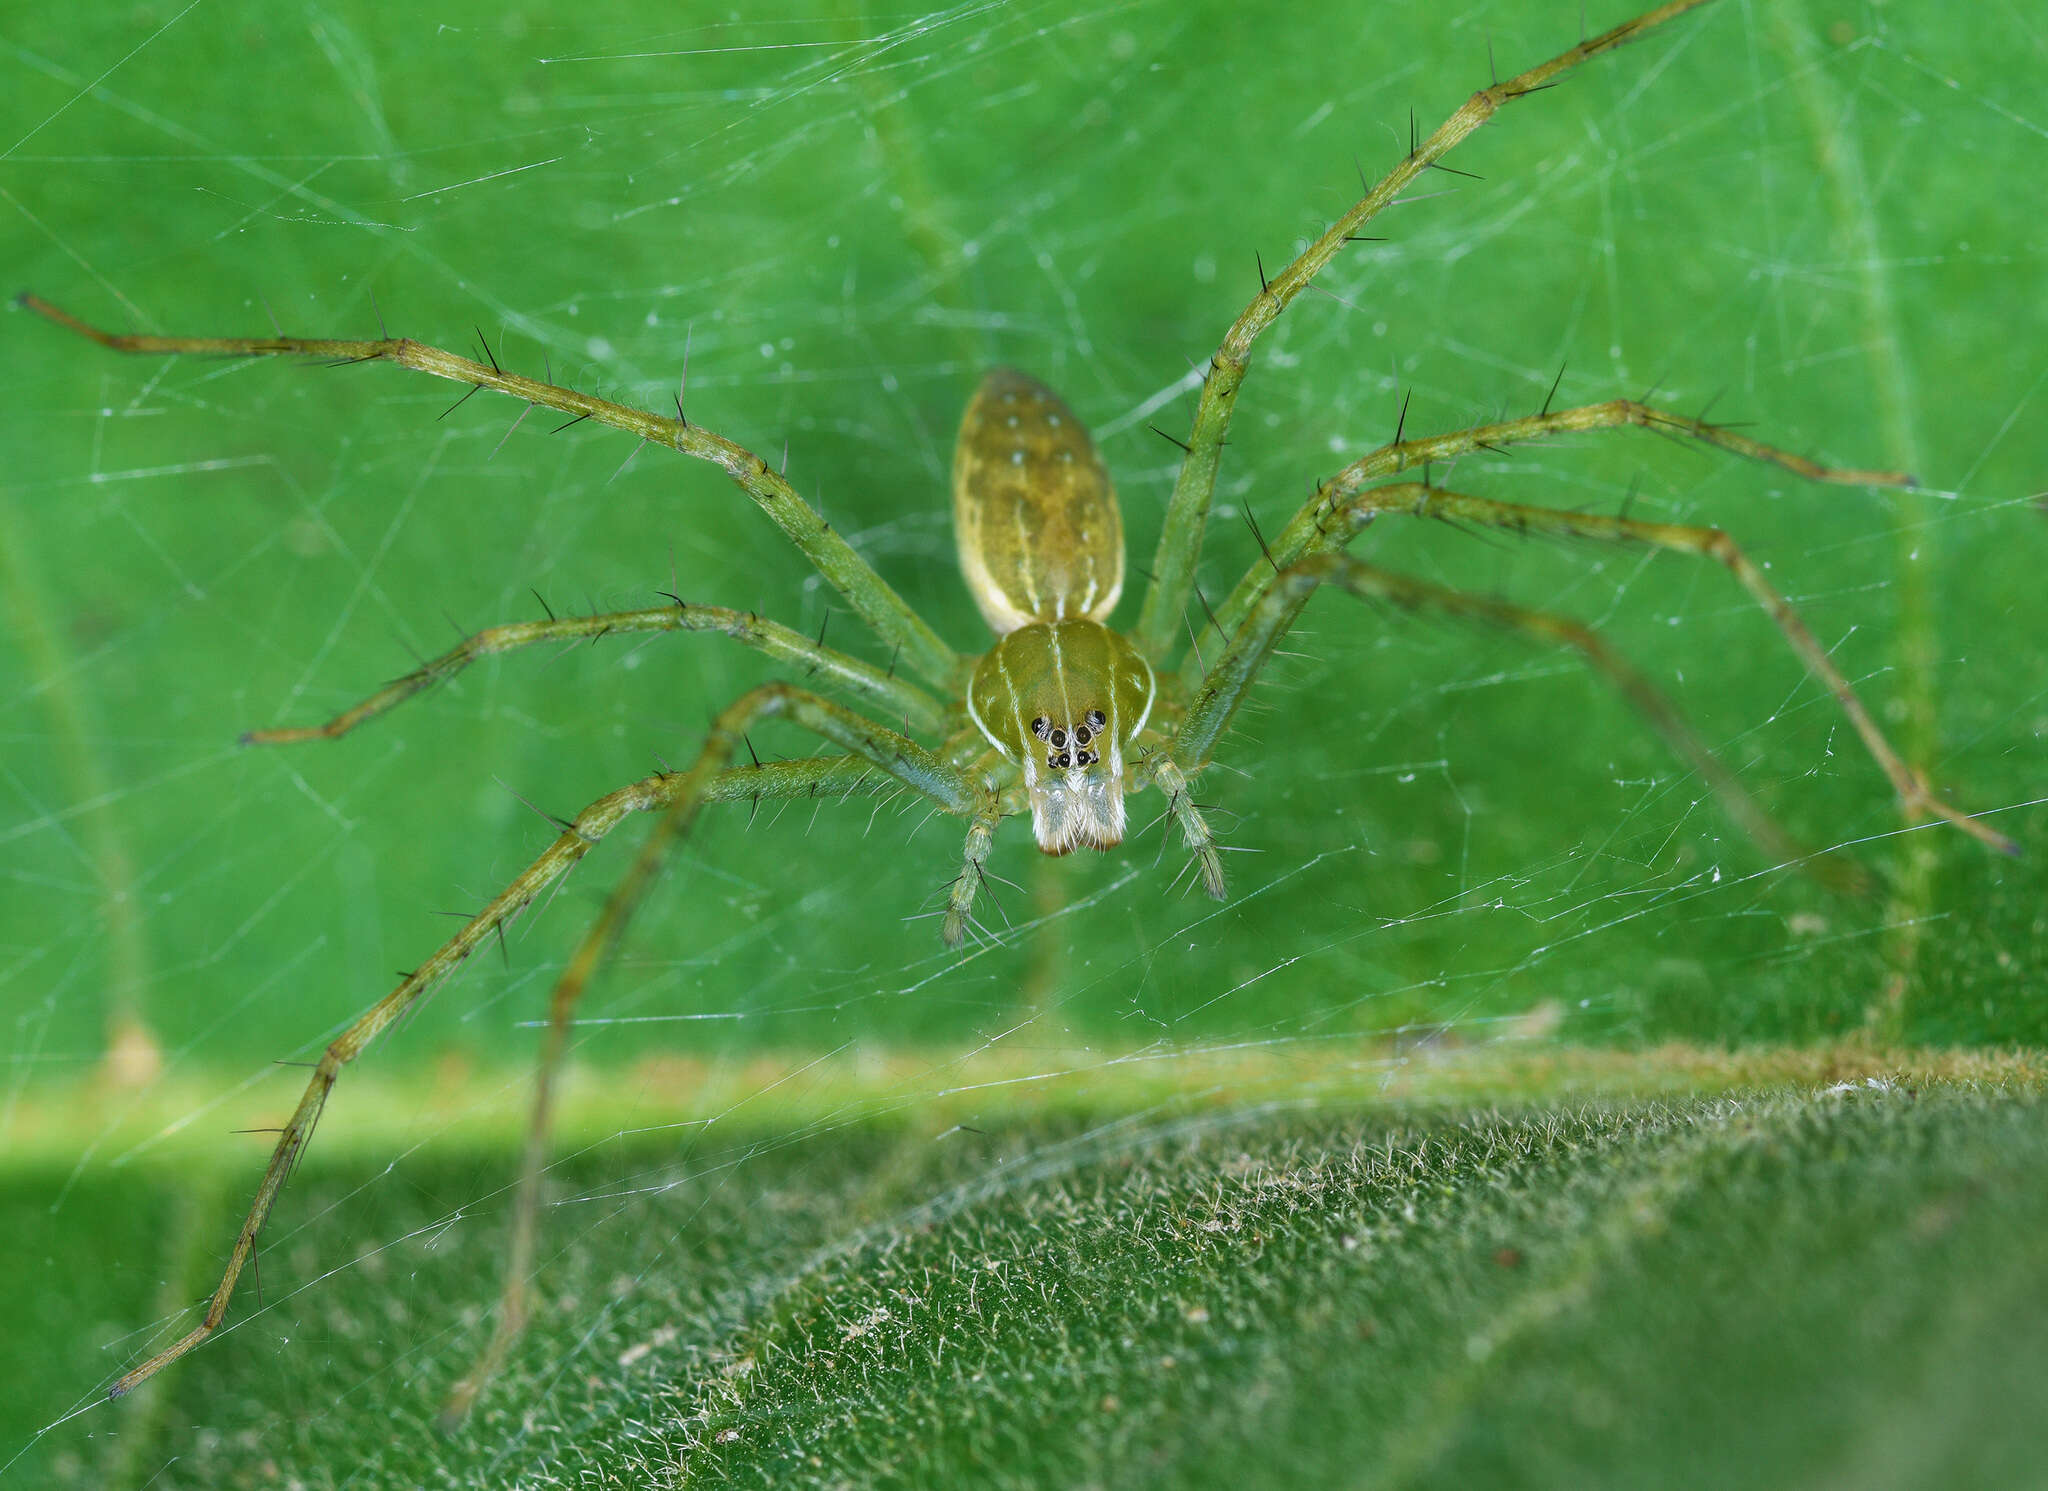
1067 745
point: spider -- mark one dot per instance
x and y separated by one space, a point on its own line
1062 717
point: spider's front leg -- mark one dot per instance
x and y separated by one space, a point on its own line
1187 512
858 583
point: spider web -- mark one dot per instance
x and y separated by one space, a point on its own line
1445 839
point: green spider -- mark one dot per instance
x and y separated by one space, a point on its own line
1063 717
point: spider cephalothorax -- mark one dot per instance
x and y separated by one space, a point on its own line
1063 701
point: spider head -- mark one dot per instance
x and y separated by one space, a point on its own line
1077 797
1062 701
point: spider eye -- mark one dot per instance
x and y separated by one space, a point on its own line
1040 725
1082 735
1059 737
1096 719
1063 759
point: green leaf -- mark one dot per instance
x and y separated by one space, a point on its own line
1815 220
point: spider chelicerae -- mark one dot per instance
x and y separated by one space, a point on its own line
1063 717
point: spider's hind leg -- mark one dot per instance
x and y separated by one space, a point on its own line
1232 675
883 757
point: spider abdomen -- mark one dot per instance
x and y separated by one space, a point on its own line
1063 700
1033 508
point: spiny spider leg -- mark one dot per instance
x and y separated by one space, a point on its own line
1915 796
1332 526
1225 687
680 796
981 838
870 596
1180 541
894 695
977 804
1161 768
1405 455
1306 530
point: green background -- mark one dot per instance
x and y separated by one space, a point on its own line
1816 217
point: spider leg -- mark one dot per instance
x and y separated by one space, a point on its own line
996 774
1338 525
870 596
1162 769
901 758
679 795
1320 525
981 837
1180 540
1915 796
1233 673
1404 455
871 684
